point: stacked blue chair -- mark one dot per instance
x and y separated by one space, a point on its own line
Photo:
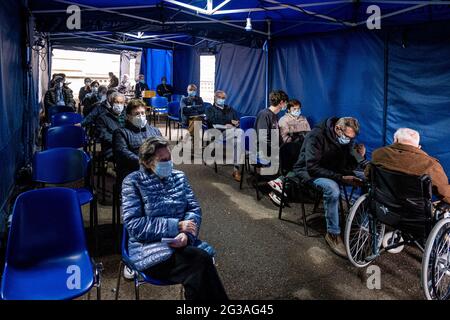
65 136
46 255
66 165
66 119
159 105
57 109
173 115
139 277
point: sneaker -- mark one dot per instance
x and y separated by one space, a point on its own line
275 198
276 185
128 273
237 175
336 244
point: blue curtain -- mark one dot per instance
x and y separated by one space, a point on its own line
186 68
240 72
155 64
335 75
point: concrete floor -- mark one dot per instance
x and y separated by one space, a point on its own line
261 257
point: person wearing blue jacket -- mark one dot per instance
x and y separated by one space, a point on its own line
158 203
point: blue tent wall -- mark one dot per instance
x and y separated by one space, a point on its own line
18 98
240 72
186 68
156 63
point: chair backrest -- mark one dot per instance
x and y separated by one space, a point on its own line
207 105
159 102
60 165
174 109
289 153
65 136
246 123
402 201
46 223
176 97
57 109
66 119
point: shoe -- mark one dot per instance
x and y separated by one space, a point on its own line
277 185
336 244
275 199
237 175
128 273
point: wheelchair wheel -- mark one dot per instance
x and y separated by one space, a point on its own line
359 233
436 262
391 238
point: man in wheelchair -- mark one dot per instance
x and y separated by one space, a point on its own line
405 156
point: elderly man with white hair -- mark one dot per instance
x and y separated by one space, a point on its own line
405 156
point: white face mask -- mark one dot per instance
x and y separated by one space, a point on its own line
139 121
61 84
103 98
117 108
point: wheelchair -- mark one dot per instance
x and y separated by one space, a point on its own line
404 204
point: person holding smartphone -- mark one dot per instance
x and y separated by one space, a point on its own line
158 203
328 158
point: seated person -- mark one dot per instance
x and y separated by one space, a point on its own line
108 122
191 108
99 108
125 85
90 99
266 121
293 124
140 86
87 88
405 156
164 89
158 202
127 140
328 158
224 115
58 95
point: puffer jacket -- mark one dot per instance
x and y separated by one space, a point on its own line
152 209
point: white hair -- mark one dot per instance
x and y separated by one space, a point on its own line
112 97
407 136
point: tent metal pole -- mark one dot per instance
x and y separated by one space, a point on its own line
386 87
266 50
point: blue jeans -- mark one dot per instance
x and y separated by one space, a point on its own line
331 193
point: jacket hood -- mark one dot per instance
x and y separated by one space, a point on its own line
327 127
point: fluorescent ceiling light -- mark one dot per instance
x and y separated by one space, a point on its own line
209 6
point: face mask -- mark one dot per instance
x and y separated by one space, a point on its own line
94 89
60 84
142 81
344 140
284 107
220 102
164 169
192 93
103 98
296 113
117 108
139 121
164 82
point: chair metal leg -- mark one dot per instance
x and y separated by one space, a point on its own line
257 186
215 166
94 203
242 176
305 223
280 211
182 293
113 217
119 276
136 287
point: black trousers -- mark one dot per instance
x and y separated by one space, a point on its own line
194 269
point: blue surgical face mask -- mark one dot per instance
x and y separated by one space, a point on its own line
163 169
192 93
344 140
220 102
142 81
296 113
284 108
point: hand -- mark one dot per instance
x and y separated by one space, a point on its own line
360 149
181 241
188 226
235 122
353 181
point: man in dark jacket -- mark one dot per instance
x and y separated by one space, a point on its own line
94 98
191 108
108 122
127 140
113 81
164 89
58 95
140 86
105 103
328 157
84 90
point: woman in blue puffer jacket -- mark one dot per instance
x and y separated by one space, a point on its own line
158 203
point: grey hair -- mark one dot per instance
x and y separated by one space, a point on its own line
407 135
147 151
349 122
115 95
220 91
192 85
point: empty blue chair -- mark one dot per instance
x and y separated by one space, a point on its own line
66 165
66 119
159 105
46 256
176 97
139 277
65 136
173 115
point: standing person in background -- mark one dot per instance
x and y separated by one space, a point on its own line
191 108
94 97
125 84
140 86
113 81
84 90
164 89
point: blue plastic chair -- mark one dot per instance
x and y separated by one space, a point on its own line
177 97
66 165
57 109
159 105
139 277
66 119
46 246
173 115
65 136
